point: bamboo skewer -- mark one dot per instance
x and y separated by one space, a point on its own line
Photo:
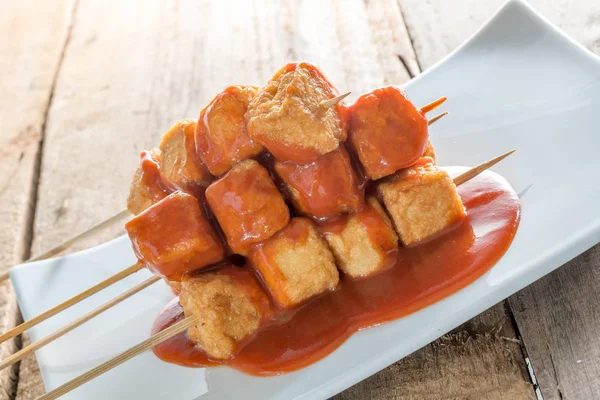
68 303
68 243
79 321
334 101
473 172
433 105
121 358
437 118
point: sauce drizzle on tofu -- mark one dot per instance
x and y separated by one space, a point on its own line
422 275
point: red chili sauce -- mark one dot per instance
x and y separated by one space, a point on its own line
422 275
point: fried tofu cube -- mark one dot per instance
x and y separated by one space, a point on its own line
247 205
295 263
173 237
231 307
287 118
323 188
422 201
429 151
147 187
363 243
386 131
221 137
180 167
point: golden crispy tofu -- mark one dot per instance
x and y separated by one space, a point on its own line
429 151
295 263
324 188
147 187
221 137
363 243
179 166
231 307
287 118
247 205
173 237
422 201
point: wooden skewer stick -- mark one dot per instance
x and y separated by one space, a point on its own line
437 117
121 358
334 101
65 245
433 105
79 321
473 172
73 300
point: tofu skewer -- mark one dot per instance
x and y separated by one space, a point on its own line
76 299
470 174
124 213
134 268
192 319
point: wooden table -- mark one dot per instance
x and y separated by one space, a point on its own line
86 85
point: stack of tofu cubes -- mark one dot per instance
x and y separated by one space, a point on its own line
296 220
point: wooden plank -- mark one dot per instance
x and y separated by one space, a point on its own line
31 40
559 320
557 316
443 367
480 360
122 84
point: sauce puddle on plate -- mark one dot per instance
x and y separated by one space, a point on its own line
422 275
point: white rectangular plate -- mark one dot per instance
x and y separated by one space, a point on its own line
518 83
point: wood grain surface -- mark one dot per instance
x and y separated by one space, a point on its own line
559 320
31 45
131 69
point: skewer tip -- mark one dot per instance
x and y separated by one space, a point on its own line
437 117
473 172
433 105
334 101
